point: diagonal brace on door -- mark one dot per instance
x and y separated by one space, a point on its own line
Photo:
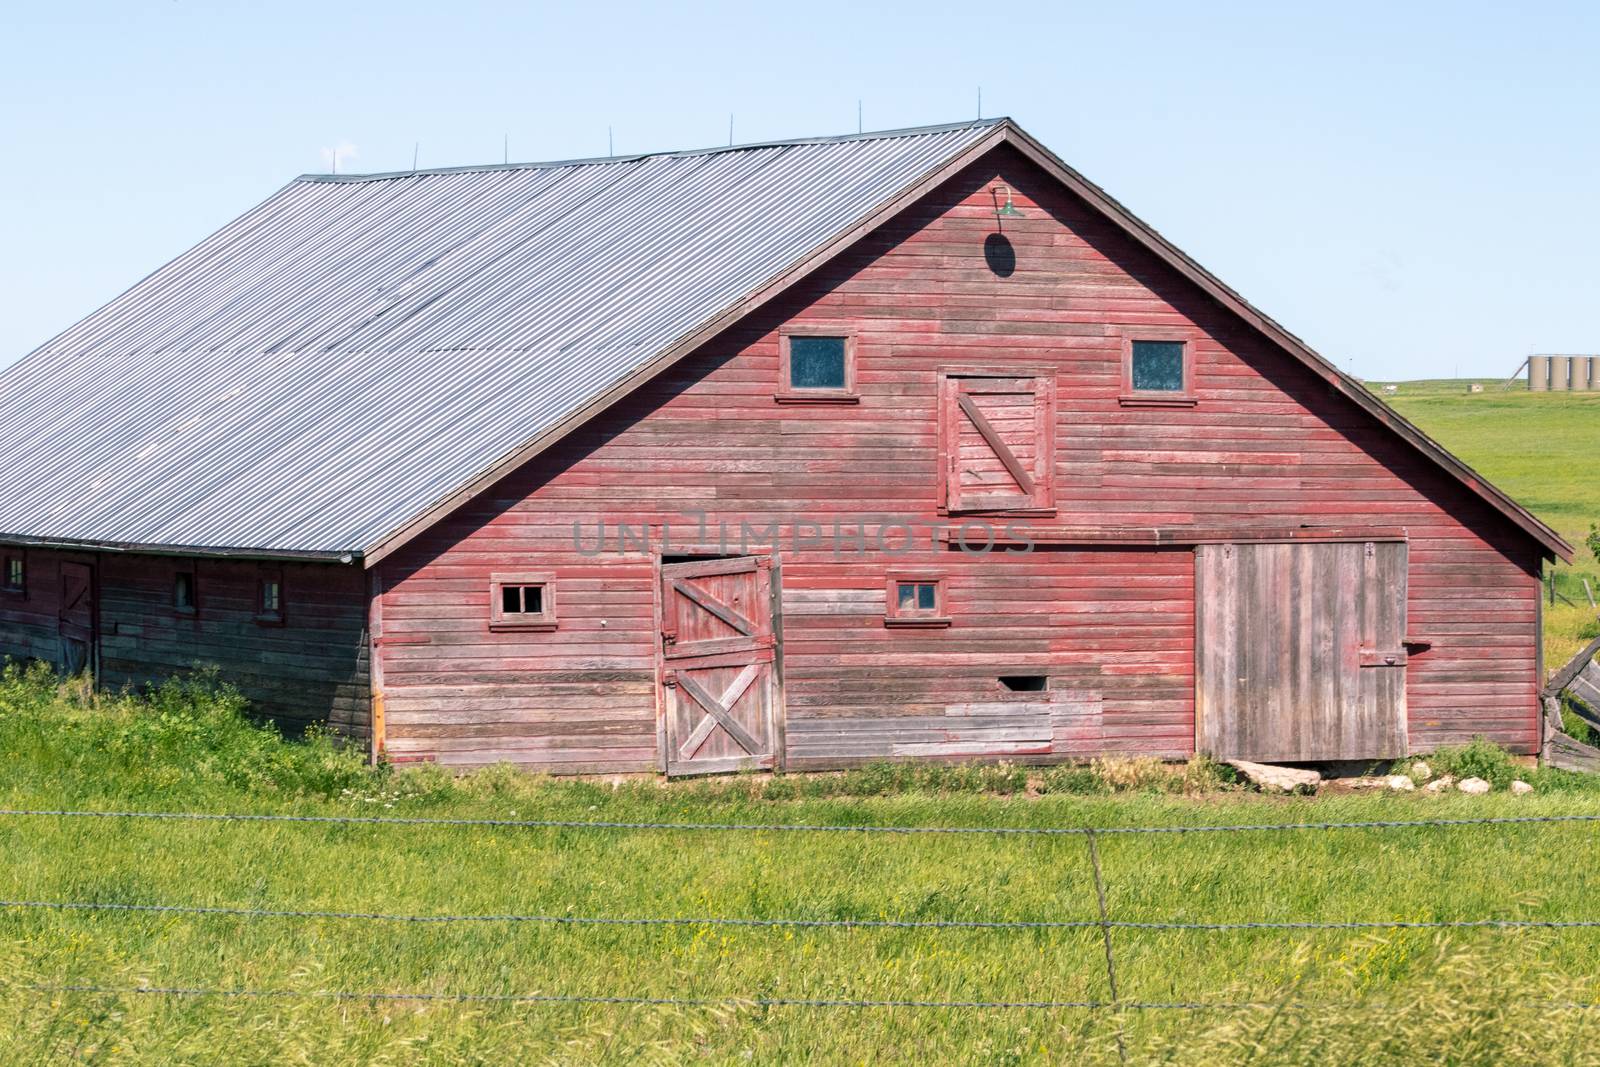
992 436
726 612
719 712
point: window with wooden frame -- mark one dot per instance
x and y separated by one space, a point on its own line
522 601
185 597
1157 368
269 596
13 573
996 441
915 599
816 365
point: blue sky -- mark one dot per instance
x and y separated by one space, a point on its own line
1411 188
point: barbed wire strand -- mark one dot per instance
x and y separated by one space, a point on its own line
580 824
569 998
760 1002
888 924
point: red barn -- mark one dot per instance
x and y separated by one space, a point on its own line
912 444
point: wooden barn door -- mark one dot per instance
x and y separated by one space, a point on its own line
995 441
75 619
718 649
1299 651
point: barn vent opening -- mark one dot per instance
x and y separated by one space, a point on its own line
1023 683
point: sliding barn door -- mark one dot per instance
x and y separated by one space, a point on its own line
718 649
1299 651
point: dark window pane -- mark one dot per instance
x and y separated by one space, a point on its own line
1158 366
183 591
908 594
521 599
816 362
14 573
269 596
925 596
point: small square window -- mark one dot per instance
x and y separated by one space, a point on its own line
522 602
915 600
816 362
269 598
15 576
817 365
183 598
1157 367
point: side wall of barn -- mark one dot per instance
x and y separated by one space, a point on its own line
707 449
30 618
312 666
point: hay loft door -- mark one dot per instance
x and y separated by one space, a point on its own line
717 656
1299 651
996 441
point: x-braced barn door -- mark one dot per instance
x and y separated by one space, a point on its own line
1300 651
718 647
75 619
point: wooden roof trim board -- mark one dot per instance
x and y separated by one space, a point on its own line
1174 536
278 555
1005 132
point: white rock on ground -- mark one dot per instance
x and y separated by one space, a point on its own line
1520 787
1399 781
1420 771
1283 779
1440 784
1474 786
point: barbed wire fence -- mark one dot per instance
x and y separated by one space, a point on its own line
1104 923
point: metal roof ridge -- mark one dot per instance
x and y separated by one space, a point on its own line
582 161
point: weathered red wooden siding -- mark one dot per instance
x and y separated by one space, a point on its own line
29 623
1267 445
312 668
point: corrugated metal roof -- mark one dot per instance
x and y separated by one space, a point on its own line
336 360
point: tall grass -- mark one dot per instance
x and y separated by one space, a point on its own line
189 737
1467 996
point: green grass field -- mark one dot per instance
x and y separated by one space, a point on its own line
1544 450
1343 996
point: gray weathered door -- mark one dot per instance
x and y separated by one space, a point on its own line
76 618
1299 651
718 647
